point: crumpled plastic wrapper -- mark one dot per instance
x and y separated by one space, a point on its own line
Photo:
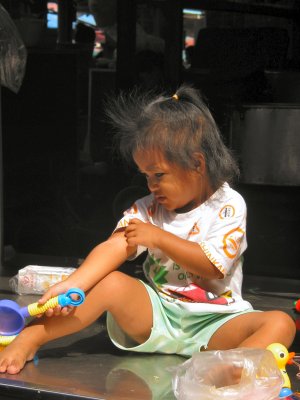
244 373
13 54
37 279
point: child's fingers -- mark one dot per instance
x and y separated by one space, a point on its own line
56 311
129 228
48 313
135 221
66 310
129 235
53 311
47 296
54 291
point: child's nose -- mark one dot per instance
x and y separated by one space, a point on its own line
152 183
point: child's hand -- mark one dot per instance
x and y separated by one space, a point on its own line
141 233
55 290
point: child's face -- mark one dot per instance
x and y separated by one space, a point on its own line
174 187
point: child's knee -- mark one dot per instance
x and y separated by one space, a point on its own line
114 280
283 319
283 323
119 284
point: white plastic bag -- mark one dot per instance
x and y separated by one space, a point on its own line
238 374
36 279
13 54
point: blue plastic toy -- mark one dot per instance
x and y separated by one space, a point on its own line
12 316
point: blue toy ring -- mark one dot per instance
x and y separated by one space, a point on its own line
66 299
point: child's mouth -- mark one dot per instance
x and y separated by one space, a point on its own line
161 199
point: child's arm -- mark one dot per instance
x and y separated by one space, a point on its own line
185 253
103 259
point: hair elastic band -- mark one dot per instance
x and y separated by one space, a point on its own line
175 96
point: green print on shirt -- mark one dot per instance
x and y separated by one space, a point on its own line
181 276
160 271
149 262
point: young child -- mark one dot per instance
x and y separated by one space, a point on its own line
192 225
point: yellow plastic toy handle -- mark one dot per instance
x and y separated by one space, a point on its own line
73 297
36 308
6 340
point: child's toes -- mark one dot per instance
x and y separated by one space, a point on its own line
4 365
14 368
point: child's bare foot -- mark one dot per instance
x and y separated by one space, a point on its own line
15 355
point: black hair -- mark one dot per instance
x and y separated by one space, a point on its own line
178 125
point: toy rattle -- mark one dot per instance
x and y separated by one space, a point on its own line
12 316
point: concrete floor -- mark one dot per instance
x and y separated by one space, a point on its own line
87 366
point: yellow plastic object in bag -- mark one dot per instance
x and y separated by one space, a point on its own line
235 374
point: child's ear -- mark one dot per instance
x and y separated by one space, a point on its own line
199 162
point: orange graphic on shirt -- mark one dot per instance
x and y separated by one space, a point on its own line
227 211
132 210
151 209
195 230
231 242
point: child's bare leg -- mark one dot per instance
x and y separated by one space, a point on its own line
123 296
256 329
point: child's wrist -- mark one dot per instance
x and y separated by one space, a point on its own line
158 238
76 282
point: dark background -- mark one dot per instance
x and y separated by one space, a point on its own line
64 188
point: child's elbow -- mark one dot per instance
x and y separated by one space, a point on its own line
218 274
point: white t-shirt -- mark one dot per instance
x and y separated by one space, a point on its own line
219 227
